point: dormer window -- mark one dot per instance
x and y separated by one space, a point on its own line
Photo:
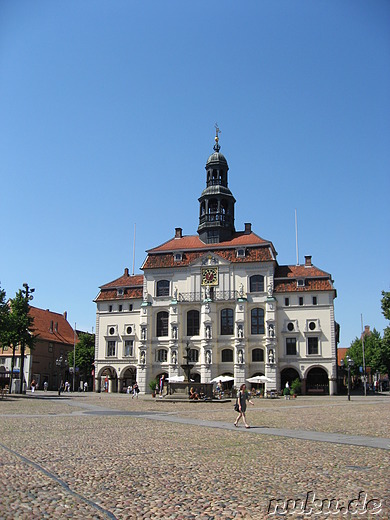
119 292
178 257
240 253
301 282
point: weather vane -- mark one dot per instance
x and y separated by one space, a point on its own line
217 131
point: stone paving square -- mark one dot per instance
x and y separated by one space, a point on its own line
100 456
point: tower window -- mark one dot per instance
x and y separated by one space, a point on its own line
193 323
227 322
227 355
163 288
162 323
256 283
257 355
291 346
312 346
257 321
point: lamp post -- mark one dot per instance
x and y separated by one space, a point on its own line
27 292
60 363
350 363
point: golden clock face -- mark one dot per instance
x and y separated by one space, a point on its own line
210 276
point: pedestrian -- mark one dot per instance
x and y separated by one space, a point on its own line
33 385
135 390
85 386
45 386
161 385
242 398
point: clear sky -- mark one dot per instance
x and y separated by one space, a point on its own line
107 113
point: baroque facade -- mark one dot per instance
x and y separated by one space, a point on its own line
222 295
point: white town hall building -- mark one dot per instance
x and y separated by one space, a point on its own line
223 294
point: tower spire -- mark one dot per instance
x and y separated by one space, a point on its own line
216 147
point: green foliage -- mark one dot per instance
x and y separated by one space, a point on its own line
85 354
21 331
4 319
152 385
377 355
296 386
385 301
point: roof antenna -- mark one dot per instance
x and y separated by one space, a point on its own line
134 250
296 236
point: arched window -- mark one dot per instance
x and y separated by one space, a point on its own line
163 288
257 321
227 317
193 323
162 355
257 355
256 283
193 355
227 355
162 323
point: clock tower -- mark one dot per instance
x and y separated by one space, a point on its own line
216 212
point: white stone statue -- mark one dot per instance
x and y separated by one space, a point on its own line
271 331
143 357
270 289
240 356
271 358
240 331
143 333
175 293
174 332
241 291
174 357
208 332
208 357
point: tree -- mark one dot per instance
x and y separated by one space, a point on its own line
386 333
4 319
386 304
85 354
21 326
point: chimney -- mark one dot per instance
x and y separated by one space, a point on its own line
248 228
308 261
178 232
65 315
126 273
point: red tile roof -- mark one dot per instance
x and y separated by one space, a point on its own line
256 250
341 353
132 288
45 320
189 242
285 279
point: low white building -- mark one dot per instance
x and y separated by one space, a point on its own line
223 294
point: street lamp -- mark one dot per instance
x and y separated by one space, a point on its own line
60 363
350 363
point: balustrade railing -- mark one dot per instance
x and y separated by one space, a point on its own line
213 296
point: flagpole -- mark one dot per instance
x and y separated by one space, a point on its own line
74 355
364 359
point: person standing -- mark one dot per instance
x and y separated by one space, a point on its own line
242 398
135 390
161 385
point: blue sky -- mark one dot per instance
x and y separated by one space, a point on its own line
107 113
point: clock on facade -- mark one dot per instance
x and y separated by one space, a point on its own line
210 276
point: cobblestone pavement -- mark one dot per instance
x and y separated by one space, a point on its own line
102 456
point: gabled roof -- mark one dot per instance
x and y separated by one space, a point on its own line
51 326
193 242
256 250
132 288
286 276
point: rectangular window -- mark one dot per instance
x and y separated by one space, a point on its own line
111 348
287 302
110 308
130 307
301 300
312 346
50 347
2 360
120 308
129 348
314 300
291 346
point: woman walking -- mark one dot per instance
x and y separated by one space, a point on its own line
242 398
